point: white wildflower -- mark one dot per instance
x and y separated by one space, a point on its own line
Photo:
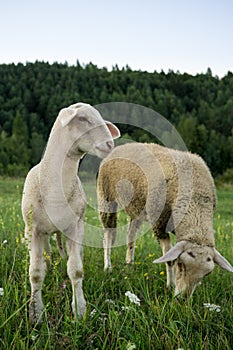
103 317
24 240
93 312
110 301
132 297
124 308
213 307
1 292
4 242
130 346
33 337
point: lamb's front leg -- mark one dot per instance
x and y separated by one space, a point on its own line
166 245
75 267
37 270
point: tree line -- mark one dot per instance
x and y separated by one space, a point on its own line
31 94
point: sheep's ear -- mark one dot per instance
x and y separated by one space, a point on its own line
66 115
172 254
222 262
115 132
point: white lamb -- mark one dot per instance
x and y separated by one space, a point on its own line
54 201
175 192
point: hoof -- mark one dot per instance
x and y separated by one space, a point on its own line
108 269
35 314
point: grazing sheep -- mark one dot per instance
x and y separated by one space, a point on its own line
175 192
54 201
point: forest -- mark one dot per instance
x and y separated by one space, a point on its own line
31 95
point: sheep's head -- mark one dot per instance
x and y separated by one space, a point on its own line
87 131
193 262
192 265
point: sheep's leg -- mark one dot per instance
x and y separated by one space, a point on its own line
47 251
131 237
166 245
75 267
108 241
37 271
109 222
60 245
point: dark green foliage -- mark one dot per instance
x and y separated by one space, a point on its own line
226 178
200 107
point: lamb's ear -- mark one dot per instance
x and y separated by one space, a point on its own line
115 132
172 254
222 262
66 115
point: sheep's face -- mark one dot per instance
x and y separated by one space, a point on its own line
192 265
86 131
193 262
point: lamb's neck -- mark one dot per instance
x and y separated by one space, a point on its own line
56 161
59 163
58 155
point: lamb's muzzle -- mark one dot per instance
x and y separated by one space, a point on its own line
105 146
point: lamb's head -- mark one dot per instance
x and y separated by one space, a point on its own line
193 262
87 131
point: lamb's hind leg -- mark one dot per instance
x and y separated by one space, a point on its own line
75 267
131 237
166 246
37 271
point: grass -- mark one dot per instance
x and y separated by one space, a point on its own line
112 321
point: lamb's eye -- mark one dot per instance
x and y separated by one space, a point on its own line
208 259
83 119
191 254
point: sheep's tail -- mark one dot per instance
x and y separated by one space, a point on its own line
60 245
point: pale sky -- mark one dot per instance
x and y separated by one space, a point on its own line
184 35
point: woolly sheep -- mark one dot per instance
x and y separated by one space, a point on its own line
175 192
54 201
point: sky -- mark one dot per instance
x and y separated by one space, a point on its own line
153 35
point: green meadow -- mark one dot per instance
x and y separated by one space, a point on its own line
112 321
